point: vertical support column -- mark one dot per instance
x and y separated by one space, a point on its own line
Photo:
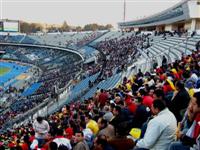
193 25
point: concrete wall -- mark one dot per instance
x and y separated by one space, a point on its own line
198 24
168 27
136 29
194 9
187 25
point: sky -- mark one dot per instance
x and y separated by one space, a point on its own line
80 12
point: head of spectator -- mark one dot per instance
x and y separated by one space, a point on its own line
101 143
116 110
102 123
53 146
158 94
179 85
106 108
194 105
59 132
63 147
39 119
138 100
79 136
143 92
88 117
158 106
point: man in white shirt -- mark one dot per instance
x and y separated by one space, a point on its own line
41 128
160 130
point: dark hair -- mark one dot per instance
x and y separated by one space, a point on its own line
78 131
159 93
83 124
101 141
160 104
26 139
121 102
59 131
32 133
180 85
138 99
142 92
63 147
2 147
112 105
39 119
88 115
197 96
103 121
53 146
118 108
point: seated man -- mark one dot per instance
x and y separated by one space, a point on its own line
160 130
192 135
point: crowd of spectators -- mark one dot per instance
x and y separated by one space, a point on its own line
87 38
75 40
57 69
119 52
147 111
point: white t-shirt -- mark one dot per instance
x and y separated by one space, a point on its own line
63 141
41 129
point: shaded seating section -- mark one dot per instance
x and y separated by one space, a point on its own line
105 84
81 86
31 89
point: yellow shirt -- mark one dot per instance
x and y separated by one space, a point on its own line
128 86
191 92
93 126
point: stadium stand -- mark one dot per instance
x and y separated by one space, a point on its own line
135 90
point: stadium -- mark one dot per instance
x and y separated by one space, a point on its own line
135 88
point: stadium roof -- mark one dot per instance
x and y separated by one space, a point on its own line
184 10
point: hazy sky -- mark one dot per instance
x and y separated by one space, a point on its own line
80 12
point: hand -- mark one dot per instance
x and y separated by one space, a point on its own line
179 134
175 93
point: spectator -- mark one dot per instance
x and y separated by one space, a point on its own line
53 146
120 141
189 138
105 128
103 97
118 116
147 100
61 140
164 61
160 130
81 144
108 114
180 100
141 115
41 128
91 124
101 143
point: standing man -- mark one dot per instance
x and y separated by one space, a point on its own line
81 144
41 128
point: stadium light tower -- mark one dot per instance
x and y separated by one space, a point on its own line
124 16
1 10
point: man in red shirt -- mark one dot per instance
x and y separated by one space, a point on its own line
103 97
